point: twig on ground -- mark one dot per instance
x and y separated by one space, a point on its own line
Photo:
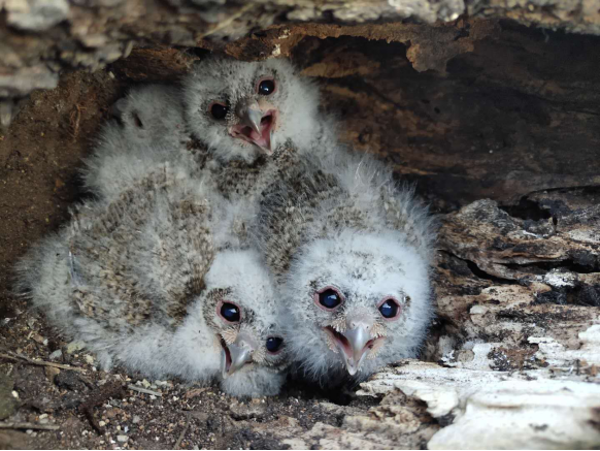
15 425
182 435
22 358
144 390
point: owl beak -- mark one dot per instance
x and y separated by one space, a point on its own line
354 344
235 355
250 115
358 338
255 125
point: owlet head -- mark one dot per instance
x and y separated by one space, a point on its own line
241 110
242 312
360 301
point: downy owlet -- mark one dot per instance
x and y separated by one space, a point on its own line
351 252
158 280
249 120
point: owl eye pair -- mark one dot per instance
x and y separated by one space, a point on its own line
329 299
265 87
231 313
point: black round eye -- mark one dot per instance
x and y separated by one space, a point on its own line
389 309
230 312
266 87
274 344
218 110
330 298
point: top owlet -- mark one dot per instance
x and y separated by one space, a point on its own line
251 120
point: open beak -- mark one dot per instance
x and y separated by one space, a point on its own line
255 125
235 355
353 344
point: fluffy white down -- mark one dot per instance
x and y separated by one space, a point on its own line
365 268
365 236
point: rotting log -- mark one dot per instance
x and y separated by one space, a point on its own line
39 39
498 410
523 291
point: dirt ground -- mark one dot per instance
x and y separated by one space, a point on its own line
421 122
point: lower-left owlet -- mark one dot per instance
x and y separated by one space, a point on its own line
157 281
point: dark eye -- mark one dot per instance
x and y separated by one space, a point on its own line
330 298
389 309
219 111
230 312
266 87
274 344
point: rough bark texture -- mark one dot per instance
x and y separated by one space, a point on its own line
39 38
497 123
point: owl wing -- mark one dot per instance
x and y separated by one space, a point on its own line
150 248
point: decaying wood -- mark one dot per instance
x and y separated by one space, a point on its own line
397 422
39 38
499 410
527 288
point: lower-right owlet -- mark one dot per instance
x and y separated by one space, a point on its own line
352 253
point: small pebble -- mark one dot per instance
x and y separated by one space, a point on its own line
122 438
101 423
89 359
74 346
136 419
55 355
146 384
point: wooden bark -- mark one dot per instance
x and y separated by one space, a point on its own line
498 410
39 38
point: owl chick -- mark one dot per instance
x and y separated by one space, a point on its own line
248 119
242 111
352 253
146 284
